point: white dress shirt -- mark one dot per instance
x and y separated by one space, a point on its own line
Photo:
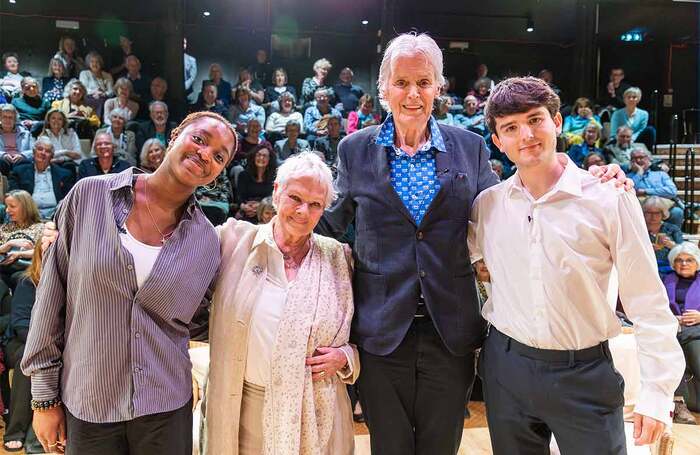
550 262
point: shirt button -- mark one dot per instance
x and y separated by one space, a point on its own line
422 273
137 335
125 211
130 267
419 236
137 370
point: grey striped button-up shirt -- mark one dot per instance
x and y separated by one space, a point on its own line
116 352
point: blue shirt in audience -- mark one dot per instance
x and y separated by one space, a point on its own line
654 183
638 121
313 115
414 178
579 152
474 123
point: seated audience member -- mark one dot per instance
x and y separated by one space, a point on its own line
119 55
81 117
497 168
664 236
157 127
615 89
141 83
318 81
280 85
223 87
152 154
471 119
243 109
64 139
593 159
124 141
123 93
15 140
284 148
448 89
105 161
277 121
11 77
313 114
158 92
47 183
262 68
328 144
67 52
482 72
654 183
441 112
246 81
31 108
215 199
482 89
19 434
53 85
620 150
98 83
547 76
251 140
574 124
255 182
591 137
17 238
635 118
364 116
683 289
209 100
266 210
347 93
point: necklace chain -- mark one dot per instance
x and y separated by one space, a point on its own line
163 237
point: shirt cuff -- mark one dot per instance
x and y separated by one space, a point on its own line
45 384
656 405
346 371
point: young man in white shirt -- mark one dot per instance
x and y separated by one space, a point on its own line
550 236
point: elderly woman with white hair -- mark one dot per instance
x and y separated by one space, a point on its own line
683 288
664 236
124 141
635 118
319 80
280 324
152 154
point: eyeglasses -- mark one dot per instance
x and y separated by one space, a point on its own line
684 261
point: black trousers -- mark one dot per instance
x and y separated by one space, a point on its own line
167 433
528 399
414 398
19 422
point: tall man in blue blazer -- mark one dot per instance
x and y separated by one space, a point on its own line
409 184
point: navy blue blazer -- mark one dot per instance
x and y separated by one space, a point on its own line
395 259
22 178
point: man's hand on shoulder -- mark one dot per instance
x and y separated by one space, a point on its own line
610 172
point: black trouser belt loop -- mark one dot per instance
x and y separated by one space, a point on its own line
598 351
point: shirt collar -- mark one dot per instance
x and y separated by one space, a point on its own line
387 131
264 234
569 182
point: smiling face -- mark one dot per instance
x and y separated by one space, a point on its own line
200 152
300 204
345 76
8 120
57 68
56 122
590 135
12 64
631 100
685 265
470 105
411 90
43 154
528 138
322 101
159 115
286 104
155 155
118 123
280 79
262 158
209 94
254 128
76 94
95 65
104 148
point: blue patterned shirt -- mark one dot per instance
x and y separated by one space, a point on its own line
413 177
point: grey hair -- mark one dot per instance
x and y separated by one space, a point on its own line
156 104
94 141
304 164
7 107
409 44
655 202
688 248
641 148
322 63
121 112
633 91
28 79
147 145
44 141
322 91
292 123
287 95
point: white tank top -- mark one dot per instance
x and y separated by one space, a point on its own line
144 255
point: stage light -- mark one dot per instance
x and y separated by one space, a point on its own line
365 22
633 36
13 1
530 25
206 14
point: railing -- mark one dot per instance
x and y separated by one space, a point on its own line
655 118
689 189
673 146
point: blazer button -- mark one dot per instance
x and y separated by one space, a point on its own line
422 273
419 236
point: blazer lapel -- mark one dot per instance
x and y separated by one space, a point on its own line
443 163
384 179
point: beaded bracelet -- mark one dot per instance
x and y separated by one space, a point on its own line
45 405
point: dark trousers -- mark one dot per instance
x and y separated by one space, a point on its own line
691 349
19 422
528 399
167 433
414 398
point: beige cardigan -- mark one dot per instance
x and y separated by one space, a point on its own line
291 426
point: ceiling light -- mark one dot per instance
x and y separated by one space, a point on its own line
13 1
206 14
365 22
530 25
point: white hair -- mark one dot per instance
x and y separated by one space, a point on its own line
633 91
688 248
147 145
656 202
122 112
405 45
322 63
305 164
